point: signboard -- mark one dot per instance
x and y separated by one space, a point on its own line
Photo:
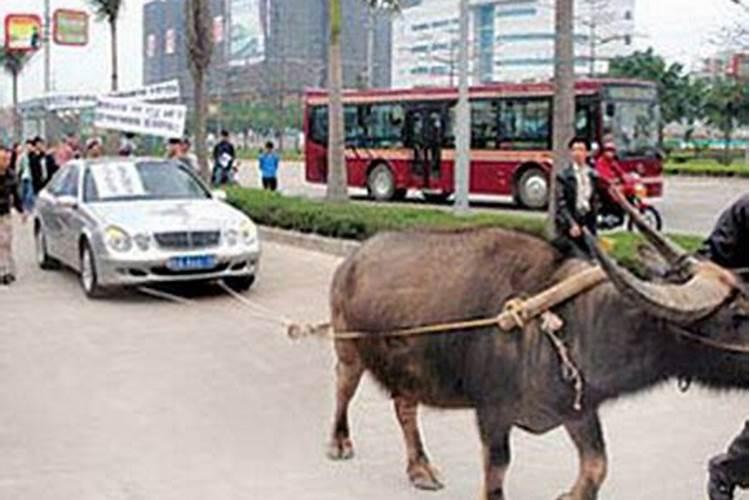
151 45
71 27
164 120
23 32
117 180
169 42
632 93
246 33
169 89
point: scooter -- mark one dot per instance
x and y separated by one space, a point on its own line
612 215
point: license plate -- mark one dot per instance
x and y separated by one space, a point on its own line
192 262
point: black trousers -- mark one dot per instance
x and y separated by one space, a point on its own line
269 183
731 468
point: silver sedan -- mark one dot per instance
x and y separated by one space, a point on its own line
127 222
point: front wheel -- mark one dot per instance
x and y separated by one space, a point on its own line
652 217
532 189
381 184
89 276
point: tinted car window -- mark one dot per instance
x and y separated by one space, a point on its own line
147 180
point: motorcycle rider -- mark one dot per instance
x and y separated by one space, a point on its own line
610 174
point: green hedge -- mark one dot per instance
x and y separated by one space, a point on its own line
356 221
706 168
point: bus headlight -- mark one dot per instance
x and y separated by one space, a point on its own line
640 191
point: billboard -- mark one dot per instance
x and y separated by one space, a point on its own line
23 32
70 27
247 33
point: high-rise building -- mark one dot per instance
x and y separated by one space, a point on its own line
265 47
510 40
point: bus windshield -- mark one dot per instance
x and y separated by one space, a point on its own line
631 116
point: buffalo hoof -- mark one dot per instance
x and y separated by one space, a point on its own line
424 476
340 449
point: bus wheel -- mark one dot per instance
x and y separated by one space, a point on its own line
533 188
381 184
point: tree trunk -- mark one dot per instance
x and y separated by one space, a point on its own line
337 183
564 101
113 35
16 117
200 107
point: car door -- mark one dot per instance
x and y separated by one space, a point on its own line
47 212
67 211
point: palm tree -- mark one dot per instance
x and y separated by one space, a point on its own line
564 100
13 63
109 10
200 45
336 187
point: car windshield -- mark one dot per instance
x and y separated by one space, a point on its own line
631 116
146 180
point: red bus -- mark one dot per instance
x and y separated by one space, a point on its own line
398 140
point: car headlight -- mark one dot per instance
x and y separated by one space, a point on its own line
231 236
142 241
248 232
117 239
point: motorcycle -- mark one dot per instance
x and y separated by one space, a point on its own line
612 215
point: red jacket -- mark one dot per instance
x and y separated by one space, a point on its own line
609 170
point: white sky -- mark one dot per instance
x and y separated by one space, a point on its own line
677 29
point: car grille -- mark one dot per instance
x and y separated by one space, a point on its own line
186 240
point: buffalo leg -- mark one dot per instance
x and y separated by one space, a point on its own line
421 474
494 430
586 434
349 369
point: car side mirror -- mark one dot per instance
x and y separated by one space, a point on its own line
67 201
219 194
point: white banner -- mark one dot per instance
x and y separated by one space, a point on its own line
169 89
164 120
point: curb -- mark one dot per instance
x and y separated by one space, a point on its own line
309 241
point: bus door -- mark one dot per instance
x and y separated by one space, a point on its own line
425 126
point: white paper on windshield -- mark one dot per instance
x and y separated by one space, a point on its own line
116 180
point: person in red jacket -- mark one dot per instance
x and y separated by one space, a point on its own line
608 167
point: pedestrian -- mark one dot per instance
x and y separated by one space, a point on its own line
8 199
38 165
64 151
127 145
93 148
224 157
186 156
727 245
23 174
268 162
174 148
576 202
50 163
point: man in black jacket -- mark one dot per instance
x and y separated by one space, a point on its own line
8 198
38 164
576 202
727 245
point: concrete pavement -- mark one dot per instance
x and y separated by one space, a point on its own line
134 397
689 205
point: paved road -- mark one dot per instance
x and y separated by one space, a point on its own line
690 204
139 398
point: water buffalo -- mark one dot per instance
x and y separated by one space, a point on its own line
624 335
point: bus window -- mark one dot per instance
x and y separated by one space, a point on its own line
484 124
525 123
319 125
354 129
449 134
386 125
583 121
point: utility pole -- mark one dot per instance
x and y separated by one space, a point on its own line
564 101
47 40
370 56
463 116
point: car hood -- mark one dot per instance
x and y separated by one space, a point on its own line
168 215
